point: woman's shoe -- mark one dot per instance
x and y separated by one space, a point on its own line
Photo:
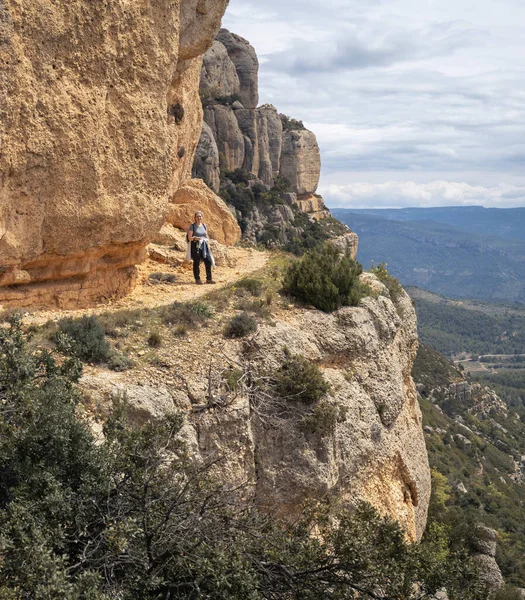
198 281
210 281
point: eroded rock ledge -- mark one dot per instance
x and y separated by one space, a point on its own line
99 124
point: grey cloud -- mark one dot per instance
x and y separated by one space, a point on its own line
369 47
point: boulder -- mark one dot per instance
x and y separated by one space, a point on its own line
170 236
196 195
242 55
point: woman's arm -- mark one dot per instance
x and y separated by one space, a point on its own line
192 237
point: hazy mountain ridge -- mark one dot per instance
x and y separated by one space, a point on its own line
440 257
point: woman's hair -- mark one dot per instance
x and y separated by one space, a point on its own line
198 212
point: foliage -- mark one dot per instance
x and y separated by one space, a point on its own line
119 362
291 124
392 284
325 279
323 419
240 326
186 313
84 337
300 379
155 339
479 328
432 370
132 518
250 284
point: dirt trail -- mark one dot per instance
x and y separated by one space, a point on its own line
149 295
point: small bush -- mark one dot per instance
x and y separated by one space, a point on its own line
162 278
120 362
251 285
84 338
322 420
325 279
180 331
257 307
291 124
392 284
232 379
300 379
202 310
240 326
187 314
155 339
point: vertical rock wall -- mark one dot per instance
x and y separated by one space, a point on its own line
249 137
99 121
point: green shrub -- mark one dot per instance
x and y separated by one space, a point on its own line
251 285
201 309
257 307
84 338
392 284
322 420
325 279
120 362
155 339
189 314
301 379
291 124
240 325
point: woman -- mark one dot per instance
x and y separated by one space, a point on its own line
199 249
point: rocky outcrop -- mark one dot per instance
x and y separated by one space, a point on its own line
219 75
346 242
484 543
196 195
246 64
374 448
99 124
313 205
248 137
301 161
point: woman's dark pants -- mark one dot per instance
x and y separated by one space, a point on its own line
197 268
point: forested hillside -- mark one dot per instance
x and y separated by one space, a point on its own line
447 259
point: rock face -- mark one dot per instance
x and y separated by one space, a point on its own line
484 544
301 161
196 195
377 452
375 449
248 137
245 62
99 124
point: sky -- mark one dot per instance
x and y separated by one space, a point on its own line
411 106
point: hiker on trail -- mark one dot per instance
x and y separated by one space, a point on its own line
199 248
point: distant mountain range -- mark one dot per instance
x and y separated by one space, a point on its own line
460 252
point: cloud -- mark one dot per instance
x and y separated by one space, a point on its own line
398 194
361 45
397 94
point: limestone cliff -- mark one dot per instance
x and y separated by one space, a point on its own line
100 117
237 134
375 450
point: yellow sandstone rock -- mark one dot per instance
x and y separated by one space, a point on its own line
194 195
